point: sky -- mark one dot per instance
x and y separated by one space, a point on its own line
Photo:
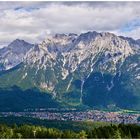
33 21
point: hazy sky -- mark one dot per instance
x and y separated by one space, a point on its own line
32 21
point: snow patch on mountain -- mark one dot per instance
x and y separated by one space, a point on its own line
24 76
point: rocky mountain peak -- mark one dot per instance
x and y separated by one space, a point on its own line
81 53
18 42
13 54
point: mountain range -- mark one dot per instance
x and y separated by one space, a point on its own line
94 70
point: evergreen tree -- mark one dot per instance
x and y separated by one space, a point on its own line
117 134
82 135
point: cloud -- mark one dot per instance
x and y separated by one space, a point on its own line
135 33
33 20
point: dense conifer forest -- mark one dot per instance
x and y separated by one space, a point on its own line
32 131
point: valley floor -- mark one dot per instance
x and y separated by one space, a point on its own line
74 115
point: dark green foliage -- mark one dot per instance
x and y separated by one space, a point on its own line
15 99
62 125
116 132
97 94
33 131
